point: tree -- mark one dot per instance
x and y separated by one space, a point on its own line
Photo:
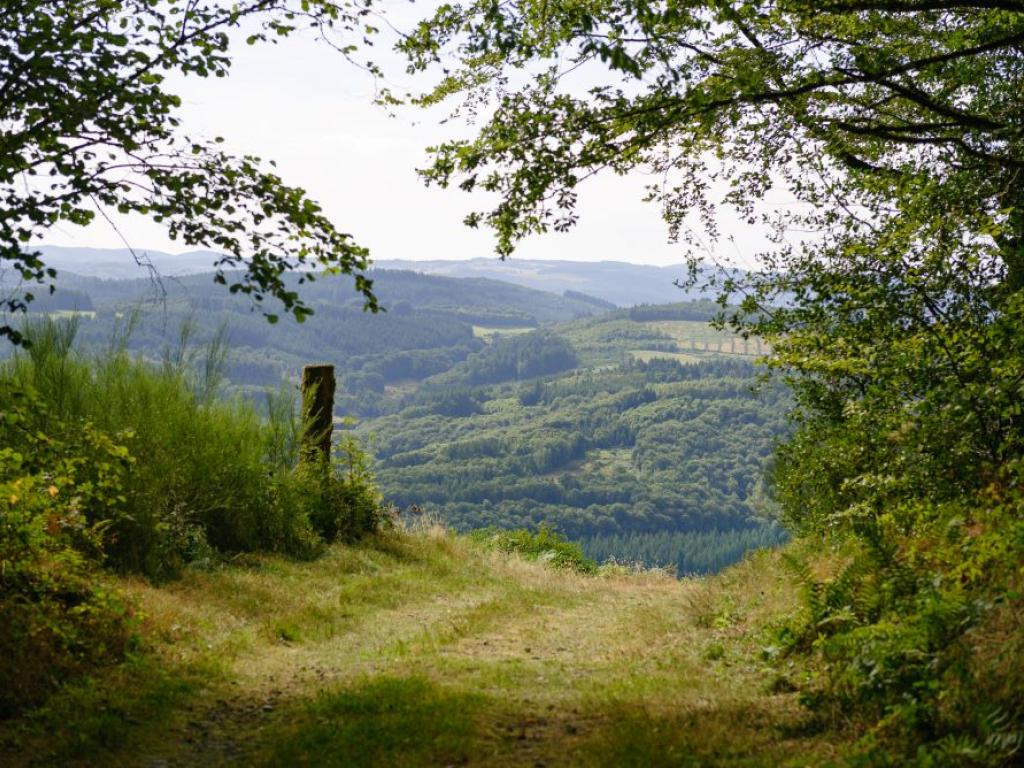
872 94
87 123
893 298
897 122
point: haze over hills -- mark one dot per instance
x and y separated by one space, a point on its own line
120 263
618 282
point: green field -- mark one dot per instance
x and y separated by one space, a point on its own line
699 336
646 355
488 334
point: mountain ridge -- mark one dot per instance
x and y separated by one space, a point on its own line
621 283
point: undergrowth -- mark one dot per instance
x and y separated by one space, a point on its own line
58 614
111 461
915 637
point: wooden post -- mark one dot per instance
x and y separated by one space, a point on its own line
317 411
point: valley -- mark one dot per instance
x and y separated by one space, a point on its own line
641 431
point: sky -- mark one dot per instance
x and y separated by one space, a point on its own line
301 104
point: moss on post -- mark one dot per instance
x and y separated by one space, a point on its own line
317 411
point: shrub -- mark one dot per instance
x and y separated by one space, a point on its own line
113 460
209 475
918 636
340 498
58 617
543 544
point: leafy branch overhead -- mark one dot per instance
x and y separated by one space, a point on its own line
87 123
846 103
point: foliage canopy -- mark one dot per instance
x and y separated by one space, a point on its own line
897 126
88 123
859 102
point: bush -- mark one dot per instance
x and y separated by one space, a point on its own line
58 617
340 498
918 636
543 544
209 476
907 457
116 461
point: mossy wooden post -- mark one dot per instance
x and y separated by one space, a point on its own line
317 412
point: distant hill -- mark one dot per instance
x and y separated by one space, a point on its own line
481 301
616 282
640 423
119 263
490 403
432 323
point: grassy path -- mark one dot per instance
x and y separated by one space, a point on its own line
426 650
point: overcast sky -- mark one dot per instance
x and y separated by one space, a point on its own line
302 105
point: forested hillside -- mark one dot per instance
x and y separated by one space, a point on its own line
431 323
486 403
601 427
660 446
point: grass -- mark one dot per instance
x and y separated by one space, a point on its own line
490 334
380 721
606 341
700 336
207 476
202 469
646 355
543 544
429 649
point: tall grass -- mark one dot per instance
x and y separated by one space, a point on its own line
208 474
544 544
110 458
